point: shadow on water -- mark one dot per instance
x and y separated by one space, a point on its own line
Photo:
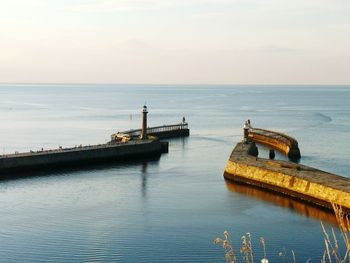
144 175
77 167
296 205
178 141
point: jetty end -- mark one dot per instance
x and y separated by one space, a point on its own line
162 132
275 140
285 177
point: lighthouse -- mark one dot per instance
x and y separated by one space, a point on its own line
246 133
143 135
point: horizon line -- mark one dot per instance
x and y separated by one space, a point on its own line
179 84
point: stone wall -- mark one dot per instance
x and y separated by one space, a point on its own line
93 154
288 178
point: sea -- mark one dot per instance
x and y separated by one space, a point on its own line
171 209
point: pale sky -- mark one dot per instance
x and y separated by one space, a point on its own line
175 41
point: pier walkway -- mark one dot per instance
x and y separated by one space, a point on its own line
70 149
164 132
110 152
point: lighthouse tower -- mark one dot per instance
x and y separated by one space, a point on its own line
246 132
143 135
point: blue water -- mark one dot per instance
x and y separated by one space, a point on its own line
168 210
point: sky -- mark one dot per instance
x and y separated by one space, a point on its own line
175 41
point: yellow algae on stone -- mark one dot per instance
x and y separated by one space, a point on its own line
293 179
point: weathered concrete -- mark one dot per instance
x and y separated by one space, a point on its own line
89 154
276 140
288 178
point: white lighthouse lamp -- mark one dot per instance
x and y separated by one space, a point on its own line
144 109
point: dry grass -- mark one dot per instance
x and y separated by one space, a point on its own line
246 248
332 252
335 251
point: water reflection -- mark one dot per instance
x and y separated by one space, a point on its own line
298 206
176 142
183 142
144 179
71 168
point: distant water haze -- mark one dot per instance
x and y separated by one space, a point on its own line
182 41
171 209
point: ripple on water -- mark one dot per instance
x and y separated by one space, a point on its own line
165 211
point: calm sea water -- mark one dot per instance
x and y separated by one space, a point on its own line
168 210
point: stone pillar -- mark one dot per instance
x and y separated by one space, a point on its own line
143 135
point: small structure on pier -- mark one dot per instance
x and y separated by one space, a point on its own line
120 137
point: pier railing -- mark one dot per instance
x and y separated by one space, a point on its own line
159 129
69 149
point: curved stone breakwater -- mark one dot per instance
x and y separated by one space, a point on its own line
278 141
295 180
